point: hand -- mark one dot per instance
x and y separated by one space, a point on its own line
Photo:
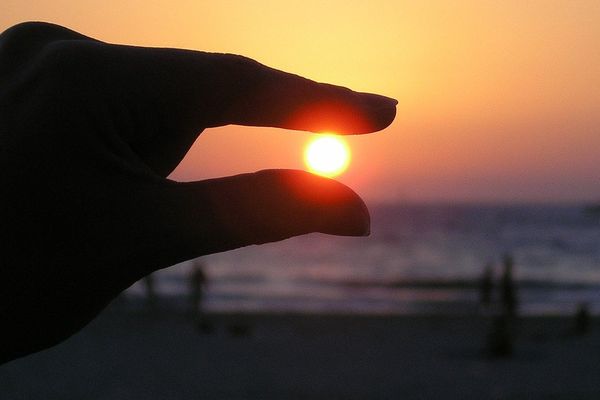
89 131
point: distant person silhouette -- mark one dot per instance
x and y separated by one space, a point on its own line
582 320
486 286
197 282
89 132
508 288
500 338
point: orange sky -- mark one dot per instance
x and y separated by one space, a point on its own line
499 101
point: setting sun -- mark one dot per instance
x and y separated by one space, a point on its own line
327 155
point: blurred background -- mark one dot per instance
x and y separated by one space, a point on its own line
492 161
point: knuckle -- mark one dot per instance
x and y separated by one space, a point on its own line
26 39
30 47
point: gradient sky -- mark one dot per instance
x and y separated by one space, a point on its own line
499 101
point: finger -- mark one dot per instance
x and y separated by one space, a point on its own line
278 99
179 93
220 89
226 213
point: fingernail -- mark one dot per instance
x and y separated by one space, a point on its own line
377 101
391 101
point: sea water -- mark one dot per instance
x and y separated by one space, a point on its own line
418 259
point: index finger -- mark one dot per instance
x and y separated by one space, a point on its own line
212 89
279 99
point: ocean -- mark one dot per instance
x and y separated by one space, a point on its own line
419 259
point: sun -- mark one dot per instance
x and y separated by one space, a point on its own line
327 155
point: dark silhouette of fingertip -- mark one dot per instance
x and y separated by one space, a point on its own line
351 218
334 207
381 111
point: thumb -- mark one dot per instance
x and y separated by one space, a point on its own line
226 213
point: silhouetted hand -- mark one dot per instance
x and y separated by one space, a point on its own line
88 133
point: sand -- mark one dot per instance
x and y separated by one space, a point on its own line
126 354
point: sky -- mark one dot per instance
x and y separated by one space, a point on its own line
498 101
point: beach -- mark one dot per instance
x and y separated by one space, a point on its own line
164 354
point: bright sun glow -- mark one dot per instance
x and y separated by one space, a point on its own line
327 155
